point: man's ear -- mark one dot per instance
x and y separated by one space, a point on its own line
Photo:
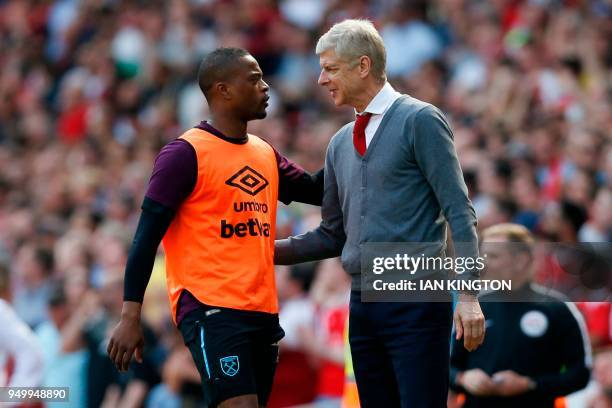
365 65
223 90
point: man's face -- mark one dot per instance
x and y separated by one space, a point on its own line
498 259
504 260
341 78
249 90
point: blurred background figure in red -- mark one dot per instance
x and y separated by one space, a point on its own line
296 374
21 355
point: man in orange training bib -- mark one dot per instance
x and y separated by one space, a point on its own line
212 198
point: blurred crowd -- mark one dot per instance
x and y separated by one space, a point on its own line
91 90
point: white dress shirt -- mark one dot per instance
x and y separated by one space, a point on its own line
19 342
377 107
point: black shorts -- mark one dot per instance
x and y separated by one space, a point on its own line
236 351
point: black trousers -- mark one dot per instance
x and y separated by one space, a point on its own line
400 352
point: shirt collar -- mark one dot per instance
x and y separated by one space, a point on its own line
204 125
383 99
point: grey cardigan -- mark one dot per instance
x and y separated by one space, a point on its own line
404 189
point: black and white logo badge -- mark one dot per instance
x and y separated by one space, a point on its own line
248 180
534 323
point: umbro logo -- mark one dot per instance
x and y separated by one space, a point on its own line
248 180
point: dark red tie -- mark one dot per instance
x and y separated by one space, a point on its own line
361 122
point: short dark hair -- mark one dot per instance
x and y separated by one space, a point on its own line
573 213
5 277
44 257
304 274
57 293
217 66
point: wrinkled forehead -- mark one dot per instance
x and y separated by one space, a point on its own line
329 57
494 244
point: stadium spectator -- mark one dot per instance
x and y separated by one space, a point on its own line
21 358
324 341
89 328
180 380
34 268
599 226
61 369
296 376
602 373
598 318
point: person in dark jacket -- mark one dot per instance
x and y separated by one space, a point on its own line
536 348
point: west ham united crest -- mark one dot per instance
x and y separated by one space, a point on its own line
230 365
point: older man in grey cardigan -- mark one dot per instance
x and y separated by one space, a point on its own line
390 176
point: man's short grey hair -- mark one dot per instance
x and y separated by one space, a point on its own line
352 39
